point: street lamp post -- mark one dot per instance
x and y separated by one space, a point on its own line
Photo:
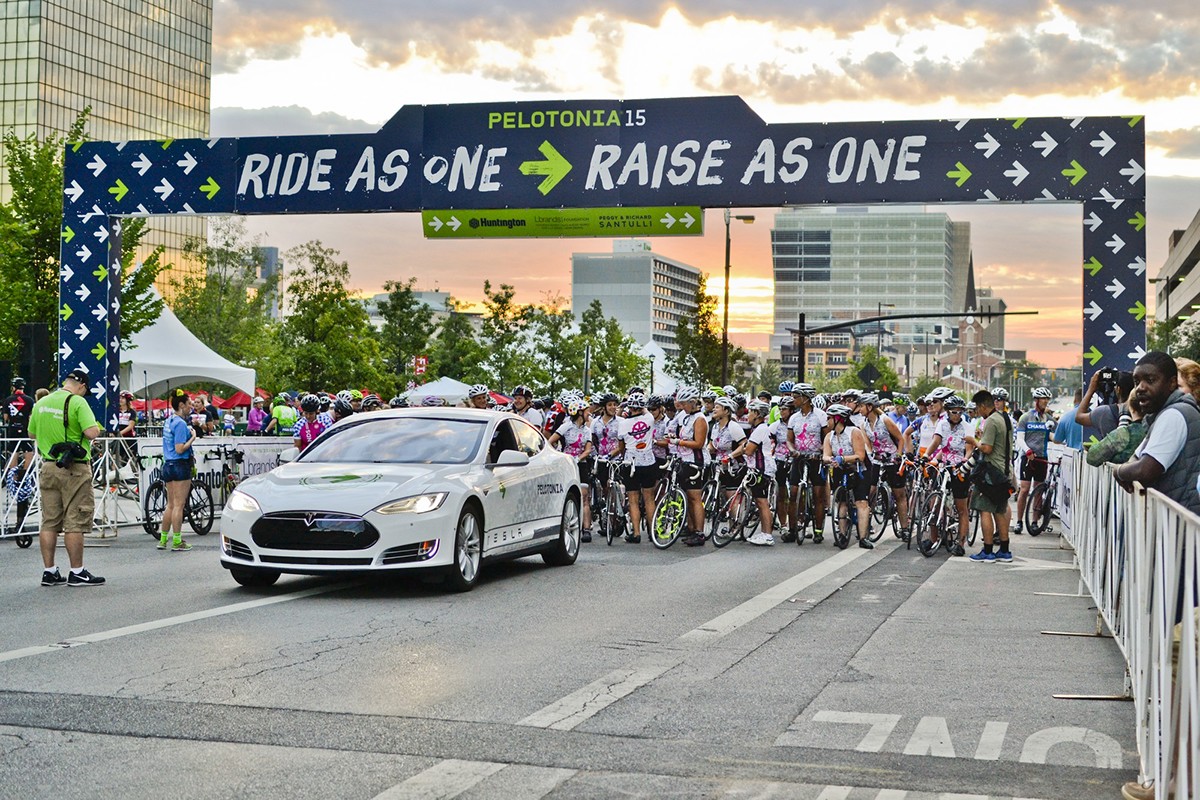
725 325
651 374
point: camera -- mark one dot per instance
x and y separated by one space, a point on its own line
65 454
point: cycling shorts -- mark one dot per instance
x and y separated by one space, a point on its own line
1033 470
691 476
639 478
585 471
732 478
783 474
960 487
892 476
858 485
760 485
809 465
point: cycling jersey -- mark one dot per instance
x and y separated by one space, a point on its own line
807 429
306 431
1036 429
535 418
779 438
687 433
842 444
762 457
635 433
953 449
928 426
880 438
659 432
17 406
604 435
725 438
574 438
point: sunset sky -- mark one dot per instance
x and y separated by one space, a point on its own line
318 66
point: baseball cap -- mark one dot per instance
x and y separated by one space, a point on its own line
80 376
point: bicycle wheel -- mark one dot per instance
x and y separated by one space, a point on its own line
932 529
1037 509
916 519
154 505
972 519
745 518
614 509
882 512
599 517
710 496
669 516
842 518
199 509
804 513
720 527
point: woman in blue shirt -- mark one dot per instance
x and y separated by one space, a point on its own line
178 437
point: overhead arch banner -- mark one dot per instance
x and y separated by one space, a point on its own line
707 152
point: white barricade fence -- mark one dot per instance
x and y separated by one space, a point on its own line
1137 556
260 455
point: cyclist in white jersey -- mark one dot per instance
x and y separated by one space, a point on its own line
723 438
635 441
1033 433
690 441
756 450
807 427
574 437
952 445
604 437
884 437
845 451
783 450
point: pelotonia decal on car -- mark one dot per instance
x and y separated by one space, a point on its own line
334 481
550 488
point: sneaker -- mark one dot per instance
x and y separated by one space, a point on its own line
865 544
1135 791
163 544
84 578
762 539
788 537
818 537
1005 556
52 578
694 540
633 539
182 547
1017 529
957 550
586 536
983 558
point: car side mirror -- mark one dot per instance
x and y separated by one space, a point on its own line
510 458
289 455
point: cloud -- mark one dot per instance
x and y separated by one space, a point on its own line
283 121
1183 143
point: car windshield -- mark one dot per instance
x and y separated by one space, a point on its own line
399 440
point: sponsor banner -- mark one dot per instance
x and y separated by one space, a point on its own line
525 223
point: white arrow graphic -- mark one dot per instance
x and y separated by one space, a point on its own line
1116 288
1138 265
187 162
1107 197
1137 353
1134 171
75 192
454 223
82 331
83 253
65 351
1017 173
83 293
100 312
1046 144
1104 143
98 389
988 195
66 273
1093 311
212 142
687 219
989 145
1046 195
116 304
1115 244
121 145
101 234
142 211
1116 333
113 344
95 212
164 189
959 124
114 384
117 228
96 165
188 209
1075 122
1093 221
436 224
141 164
667 220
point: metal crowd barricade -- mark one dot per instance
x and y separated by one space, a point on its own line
1138 557
23 484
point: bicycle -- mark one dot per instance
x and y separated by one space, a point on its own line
941 513
231 459
710 490
1040 504
917 488
670 507
843 526
737 511
882 504
198 511
616 505
805 507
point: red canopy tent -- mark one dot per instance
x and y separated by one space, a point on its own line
500 399
157 405
236 400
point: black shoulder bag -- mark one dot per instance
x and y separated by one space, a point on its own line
66 453
994 483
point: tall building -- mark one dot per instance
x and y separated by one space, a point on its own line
645 292
144 67
852 262
1177 287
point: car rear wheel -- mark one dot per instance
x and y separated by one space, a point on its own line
468 552
254 577
566 549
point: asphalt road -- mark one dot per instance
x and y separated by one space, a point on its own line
743 673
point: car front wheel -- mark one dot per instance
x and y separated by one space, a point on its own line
566 549
468 552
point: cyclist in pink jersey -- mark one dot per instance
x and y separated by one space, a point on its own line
885 437
952 444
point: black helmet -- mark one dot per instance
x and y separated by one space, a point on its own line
398 402
523 391
342 407
371 402
310 402
18 383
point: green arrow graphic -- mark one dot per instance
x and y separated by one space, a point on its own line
1138 221
210 188
75 146
342 478
1075 173
98 351
65 312
1093 266
1017 121
68 234
960 172
166 143
1133 121
1138 311
555 167
101 272
118 189
1092 441
1093 355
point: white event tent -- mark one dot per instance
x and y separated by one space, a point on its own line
451 391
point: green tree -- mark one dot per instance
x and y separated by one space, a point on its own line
768 376
407 328
557 350
327 335
140 305
1180 339
617 360
698 338
455 351
870 356
924 385
504 322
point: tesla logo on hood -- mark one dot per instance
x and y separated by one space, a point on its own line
309 518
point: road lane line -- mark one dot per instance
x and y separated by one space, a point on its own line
443 781
568 712
991 743
168 622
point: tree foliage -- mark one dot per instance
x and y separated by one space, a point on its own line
870 356
698 338
407 329
558 350
455 351
617 362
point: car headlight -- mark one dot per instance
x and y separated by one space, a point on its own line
418 504
240 501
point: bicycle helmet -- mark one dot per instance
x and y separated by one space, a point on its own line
804 389
687 394
574 407
478 390
371 402
397 402
786 387
523 391
636 400
655 401
786 402
759 407
431 401
971 406
324 402
955 403
869 399
912 408
839 411
608 397
740 399
636 390
729 390
128 395
310 402
819 402
18 383
342 407
940 393
709 395
727 403
850 393
355 394
900 399
764 395
1042 393
345 394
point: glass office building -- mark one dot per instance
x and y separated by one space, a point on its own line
144 67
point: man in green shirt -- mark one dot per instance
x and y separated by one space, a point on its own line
995 445
65 491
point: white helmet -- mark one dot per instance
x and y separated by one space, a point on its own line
759 407
1042 393
478 390
804 389
940 393
687 394
345 394
727 403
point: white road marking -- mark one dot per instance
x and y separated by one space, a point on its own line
569 712
129 630
835 793
1107 750
452 777
992 741
931 738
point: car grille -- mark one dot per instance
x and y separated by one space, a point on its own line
236 549
420 551
325 560
313 530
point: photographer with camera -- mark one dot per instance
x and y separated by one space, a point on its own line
61 423
1112 386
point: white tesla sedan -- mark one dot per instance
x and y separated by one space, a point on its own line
420 488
